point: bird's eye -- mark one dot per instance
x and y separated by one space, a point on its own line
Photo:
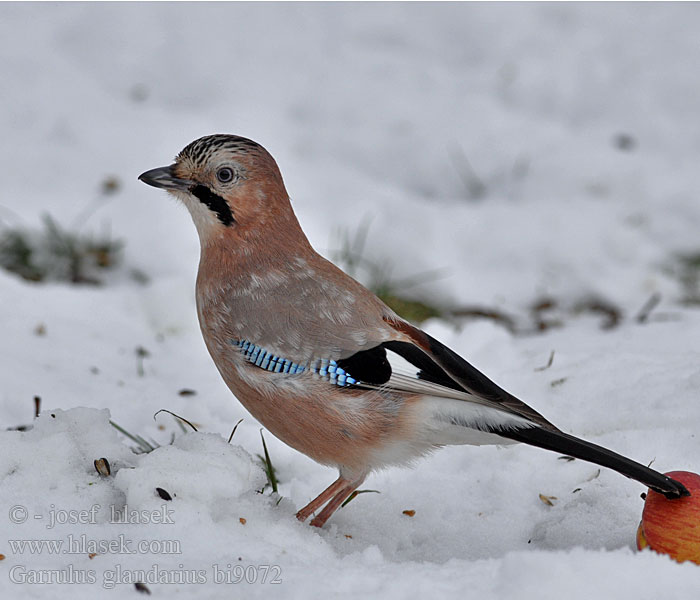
225 175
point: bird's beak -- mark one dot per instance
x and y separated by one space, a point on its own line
164 177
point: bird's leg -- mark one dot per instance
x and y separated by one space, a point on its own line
322 498
336 501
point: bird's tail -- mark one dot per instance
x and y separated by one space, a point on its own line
558 441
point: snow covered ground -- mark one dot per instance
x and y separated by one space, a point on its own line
529 152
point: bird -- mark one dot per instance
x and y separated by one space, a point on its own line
317 358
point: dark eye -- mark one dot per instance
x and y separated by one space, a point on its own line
225 175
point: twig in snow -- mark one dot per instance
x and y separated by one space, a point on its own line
649 305
141 353
357 493
234 430
549 363
174 415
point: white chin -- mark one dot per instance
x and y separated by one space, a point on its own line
204 219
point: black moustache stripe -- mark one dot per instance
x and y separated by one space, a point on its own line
215 203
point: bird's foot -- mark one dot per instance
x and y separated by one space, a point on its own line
335 494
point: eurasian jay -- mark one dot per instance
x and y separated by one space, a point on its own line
318 359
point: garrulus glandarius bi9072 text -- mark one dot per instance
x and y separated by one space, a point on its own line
317 358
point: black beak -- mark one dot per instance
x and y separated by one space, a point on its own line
164 178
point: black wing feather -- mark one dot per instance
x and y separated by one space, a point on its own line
368 366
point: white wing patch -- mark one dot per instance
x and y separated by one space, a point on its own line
405 377
452 416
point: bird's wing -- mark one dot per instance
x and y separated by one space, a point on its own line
315 317
384 353
439 364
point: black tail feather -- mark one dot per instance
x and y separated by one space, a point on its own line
558 441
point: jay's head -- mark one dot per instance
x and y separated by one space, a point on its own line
227 183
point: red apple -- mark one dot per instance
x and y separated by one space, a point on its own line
673 526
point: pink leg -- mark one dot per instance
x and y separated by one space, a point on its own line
334 504
322 498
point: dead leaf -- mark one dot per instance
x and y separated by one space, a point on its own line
142 587
164 494
548 499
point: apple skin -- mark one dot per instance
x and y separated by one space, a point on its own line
673 526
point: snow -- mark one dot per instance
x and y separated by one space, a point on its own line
372 111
